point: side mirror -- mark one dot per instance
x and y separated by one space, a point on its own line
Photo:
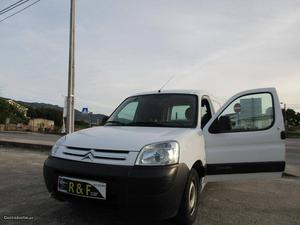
220 125
104 119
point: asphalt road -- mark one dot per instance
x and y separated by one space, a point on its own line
22 193
292 155
29 137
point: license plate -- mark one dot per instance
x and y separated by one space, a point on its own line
84 188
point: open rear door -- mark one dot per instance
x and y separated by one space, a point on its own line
245 138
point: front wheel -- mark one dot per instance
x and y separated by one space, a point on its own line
188 209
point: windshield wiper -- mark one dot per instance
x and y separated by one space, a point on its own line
115 122
146 124
178 124
150 124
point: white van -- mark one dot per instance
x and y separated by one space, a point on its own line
158 149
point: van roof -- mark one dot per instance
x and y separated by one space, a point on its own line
175 91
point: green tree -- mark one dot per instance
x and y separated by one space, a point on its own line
46 113
292 117
4 110
9 111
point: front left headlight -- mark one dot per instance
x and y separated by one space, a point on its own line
163 153
57 145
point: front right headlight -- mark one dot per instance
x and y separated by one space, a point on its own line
157 154
57 145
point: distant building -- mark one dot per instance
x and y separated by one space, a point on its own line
20 108
250 108
251 115
41 125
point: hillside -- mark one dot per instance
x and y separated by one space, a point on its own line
54 112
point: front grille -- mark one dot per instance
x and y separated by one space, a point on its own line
99 156
95 153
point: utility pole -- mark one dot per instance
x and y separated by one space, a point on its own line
71 73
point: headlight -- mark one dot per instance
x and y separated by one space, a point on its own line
163 153
57 145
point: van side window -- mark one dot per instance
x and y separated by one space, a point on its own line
248 113
205 112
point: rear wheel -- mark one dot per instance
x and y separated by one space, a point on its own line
188 210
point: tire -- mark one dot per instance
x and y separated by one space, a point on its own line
57 197
188 209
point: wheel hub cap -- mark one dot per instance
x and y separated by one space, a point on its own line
192 197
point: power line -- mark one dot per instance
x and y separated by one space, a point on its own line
20 10
11 7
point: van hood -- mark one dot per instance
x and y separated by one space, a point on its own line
123 138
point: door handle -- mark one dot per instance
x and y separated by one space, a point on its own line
283 135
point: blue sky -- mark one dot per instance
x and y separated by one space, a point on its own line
124 47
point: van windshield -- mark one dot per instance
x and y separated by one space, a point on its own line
156 110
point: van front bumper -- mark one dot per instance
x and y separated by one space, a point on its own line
153 190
